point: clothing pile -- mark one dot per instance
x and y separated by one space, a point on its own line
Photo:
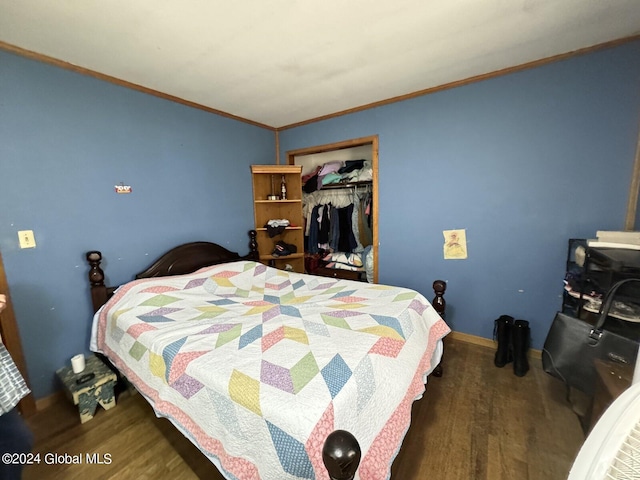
344 261
276 227
355 262
337 172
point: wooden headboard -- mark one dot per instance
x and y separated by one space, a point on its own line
183 259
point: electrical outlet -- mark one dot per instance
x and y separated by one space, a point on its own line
26 238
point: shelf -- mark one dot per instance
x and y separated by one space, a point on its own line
334 186
617 259
587 282
277 169
266 181
627 311
263 229
271 257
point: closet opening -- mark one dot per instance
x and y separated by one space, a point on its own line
340 205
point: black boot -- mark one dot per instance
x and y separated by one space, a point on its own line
520 335
502 333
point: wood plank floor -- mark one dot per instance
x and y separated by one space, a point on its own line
476 422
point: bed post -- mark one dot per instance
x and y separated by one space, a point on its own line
99 294
253 246
341 455
440 305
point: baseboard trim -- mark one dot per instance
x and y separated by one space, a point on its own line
44 402
486 342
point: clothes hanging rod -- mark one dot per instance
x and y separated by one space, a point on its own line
334 186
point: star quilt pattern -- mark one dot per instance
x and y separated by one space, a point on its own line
257 365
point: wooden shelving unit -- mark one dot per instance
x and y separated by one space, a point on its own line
266 181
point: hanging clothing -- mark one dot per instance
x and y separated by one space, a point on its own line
336 220
335 230
355 223
12 386
364 225
15 437
346 241
313 227
323 233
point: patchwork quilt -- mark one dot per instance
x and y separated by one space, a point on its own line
258 365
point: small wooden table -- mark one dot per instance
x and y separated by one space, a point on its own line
97 390
611 380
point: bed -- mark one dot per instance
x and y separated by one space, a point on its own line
271 374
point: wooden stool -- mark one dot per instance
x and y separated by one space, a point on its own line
97 390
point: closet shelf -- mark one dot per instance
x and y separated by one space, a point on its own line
278 201
263 229
335 186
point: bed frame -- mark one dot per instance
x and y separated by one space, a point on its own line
341 452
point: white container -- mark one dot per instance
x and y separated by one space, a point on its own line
77 363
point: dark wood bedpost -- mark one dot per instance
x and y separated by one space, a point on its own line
440 305
341 455
99 293
253 246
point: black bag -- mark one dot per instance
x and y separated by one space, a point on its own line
572 345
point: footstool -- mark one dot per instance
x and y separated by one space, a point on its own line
97 387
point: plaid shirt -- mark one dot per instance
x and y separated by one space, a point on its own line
12 386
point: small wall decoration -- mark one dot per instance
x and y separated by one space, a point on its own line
455 244
122 188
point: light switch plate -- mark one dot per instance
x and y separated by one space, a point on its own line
26 238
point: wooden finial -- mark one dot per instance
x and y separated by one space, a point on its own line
99 293
96 275
253 245
341 455
439 303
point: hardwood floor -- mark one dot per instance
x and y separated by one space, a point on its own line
476 422
483 422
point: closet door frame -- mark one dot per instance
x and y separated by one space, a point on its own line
346 144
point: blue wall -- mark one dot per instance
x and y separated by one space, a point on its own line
65 141
523 162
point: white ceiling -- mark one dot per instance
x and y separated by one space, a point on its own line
279 62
